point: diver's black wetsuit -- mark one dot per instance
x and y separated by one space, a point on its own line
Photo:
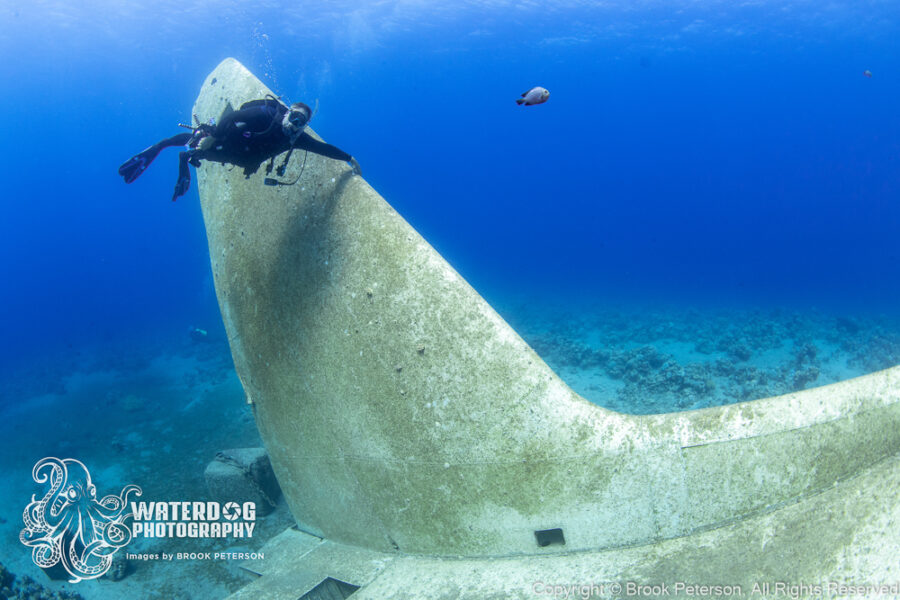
246 138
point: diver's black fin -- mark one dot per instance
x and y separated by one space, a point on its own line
137 164
132 168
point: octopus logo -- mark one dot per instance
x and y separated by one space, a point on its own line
70 526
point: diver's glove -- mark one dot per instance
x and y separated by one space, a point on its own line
354 164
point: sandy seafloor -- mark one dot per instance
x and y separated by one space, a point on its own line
151 416
155 415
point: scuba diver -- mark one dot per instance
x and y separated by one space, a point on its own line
259 131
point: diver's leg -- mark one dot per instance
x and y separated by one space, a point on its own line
132 168
184 175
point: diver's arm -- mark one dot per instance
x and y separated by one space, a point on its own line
307 142
132 168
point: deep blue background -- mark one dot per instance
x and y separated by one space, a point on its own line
696 153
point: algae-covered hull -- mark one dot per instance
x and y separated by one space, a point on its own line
416 435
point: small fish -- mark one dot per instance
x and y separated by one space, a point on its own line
867 73
536 95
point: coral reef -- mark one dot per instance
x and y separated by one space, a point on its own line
880 350
26 588
675 360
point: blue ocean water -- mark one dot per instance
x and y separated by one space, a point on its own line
709 181
696 152
690 152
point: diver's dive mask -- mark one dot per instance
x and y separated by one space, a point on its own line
295 120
